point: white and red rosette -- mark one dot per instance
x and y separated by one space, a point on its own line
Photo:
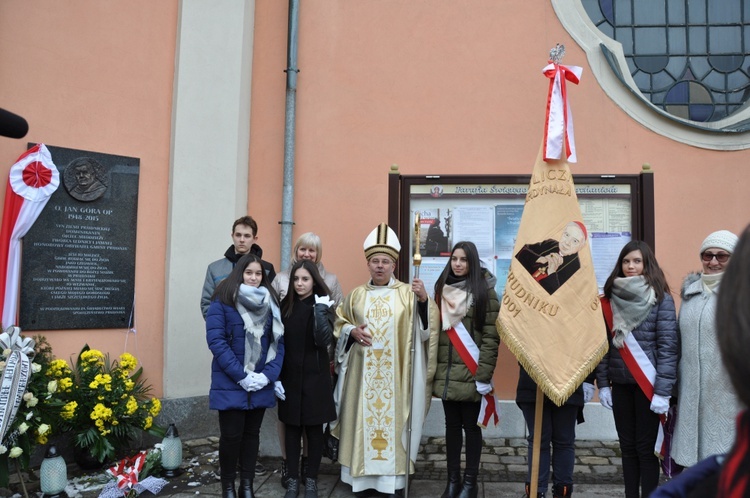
31 181
558 125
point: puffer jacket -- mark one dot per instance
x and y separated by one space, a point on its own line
453 380
225 334
659 339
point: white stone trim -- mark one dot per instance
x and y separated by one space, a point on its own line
208 172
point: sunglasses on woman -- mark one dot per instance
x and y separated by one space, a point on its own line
721 257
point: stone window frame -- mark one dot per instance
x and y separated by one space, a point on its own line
725 134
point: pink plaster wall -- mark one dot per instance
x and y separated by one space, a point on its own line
450 87
98 76
437 87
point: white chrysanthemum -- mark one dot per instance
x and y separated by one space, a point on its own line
36 368
15 452
23 427
52 386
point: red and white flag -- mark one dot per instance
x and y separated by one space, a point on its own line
31 182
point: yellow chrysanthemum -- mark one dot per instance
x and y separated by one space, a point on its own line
155 407
58 368
101 412
129 385
65 384
147 423
128 361
131 406
41 439
69 410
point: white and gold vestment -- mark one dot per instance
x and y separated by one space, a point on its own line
374 387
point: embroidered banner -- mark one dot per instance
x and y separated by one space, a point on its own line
550 317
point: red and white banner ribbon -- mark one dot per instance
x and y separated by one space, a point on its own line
126 471
558 125
469 352
642 370
31 182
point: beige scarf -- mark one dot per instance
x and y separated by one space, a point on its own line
454 304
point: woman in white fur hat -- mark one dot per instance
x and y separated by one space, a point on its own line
707 405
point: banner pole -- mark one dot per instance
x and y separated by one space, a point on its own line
537 442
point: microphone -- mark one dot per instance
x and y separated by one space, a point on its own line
12 125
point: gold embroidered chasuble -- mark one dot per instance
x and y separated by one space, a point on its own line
374 388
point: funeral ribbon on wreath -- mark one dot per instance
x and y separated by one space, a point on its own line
31 181
15 376
126 473
558 125
642 370
469 352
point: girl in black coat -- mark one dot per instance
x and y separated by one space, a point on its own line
306 375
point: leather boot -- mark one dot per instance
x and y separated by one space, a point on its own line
311 488
562 490
227 488
246 488
470 488
284 473
454 485
292 488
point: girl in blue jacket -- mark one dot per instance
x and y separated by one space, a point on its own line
246 337
643 321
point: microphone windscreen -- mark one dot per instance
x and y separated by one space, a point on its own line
12 125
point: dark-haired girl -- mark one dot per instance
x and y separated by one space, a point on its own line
246 337
306 390
465 294
642 319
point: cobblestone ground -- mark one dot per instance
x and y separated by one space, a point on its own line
503 460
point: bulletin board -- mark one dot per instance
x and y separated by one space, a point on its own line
486 209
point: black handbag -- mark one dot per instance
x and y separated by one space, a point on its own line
330 445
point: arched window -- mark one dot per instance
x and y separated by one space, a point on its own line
684 60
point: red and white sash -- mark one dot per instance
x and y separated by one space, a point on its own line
469 352
642 370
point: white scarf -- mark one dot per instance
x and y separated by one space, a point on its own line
632 300
254 305
711 282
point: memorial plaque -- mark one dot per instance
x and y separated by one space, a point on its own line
78 262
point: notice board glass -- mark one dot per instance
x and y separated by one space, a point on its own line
487 211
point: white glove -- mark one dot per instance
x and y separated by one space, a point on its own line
257 381
660 404
588 391
483 387
278 389
605 397
326 300
247 383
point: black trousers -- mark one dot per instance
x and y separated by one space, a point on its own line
637 427
461 418
314 449
239 441
559 436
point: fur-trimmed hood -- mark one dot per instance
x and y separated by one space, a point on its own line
691 285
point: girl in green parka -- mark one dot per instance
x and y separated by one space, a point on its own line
468 305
